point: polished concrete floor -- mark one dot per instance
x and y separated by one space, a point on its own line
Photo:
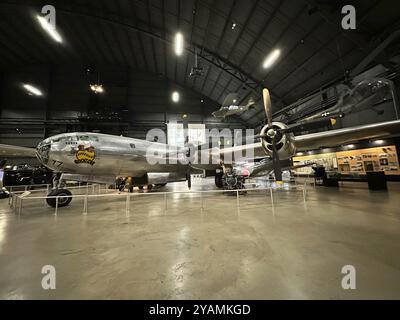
290 249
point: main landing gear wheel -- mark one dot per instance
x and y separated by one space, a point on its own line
218 180
65 197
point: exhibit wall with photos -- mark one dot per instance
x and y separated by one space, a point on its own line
328 160
359 161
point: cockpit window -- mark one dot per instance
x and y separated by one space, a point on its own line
72 138
58 139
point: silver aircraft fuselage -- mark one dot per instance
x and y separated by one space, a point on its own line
101 154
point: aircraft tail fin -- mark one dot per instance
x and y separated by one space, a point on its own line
231 99
251 102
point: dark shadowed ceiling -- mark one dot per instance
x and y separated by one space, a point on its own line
139 35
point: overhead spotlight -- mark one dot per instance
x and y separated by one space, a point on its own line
178 44
97 88
233 26
49 29
32 90
202 100
379 141
184 116
175 96
271 58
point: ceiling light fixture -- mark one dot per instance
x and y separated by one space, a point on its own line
32 90
271 58
178 44
175 96
49 29
97 88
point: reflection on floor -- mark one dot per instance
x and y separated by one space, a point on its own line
287 250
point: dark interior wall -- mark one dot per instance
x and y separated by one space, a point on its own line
133 103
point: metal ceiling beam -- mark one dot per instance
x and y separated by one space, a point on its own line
151 30
262 31
334 19
210 57
227 20
284 31
371 56
205 54
203 42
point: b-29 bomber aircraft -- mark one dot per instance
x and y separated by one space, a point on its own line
96 157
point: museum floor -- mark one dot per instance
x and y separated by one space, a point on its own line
294 250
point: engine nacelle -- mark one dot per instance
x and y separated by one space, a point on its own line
284 141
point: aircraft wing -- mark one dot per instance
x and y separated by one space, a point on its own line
333 138
7 151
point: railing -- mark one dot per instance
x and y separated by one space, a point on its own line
94 192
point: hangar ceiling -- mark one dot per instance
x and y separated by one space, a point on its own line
232 38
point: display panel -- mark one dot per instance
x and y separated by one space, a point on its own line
359 161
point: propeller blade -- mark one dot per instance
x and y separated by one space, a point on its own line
267 106
276 162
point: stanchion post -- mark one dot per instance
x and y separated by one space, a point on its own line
56 210
272 197
85 205
15 203
237 199
20 206
127 208
165 203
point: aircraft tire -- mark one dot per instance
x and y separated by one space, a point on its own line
62 202
140 187
218 181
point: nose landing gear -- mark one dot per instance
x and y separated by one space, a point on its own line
64 195
64 198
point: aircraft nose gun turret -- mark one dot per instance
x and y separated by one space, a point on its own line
42 151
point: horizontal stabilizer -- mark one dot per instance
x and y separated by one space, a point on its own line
7 151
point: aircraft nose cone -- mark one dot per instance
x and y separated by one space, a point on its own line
271 133
42 151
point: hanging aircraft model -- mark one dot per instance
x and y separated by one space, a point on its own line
98 157
230 106
364 95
